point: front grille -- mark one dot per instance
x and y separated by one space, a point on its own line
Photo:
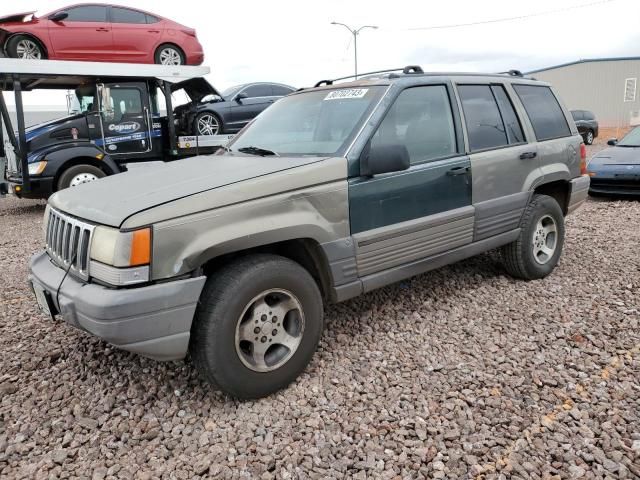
619 184
68 240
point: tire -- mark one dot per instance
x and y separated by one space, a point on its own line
79 174
526 258
168 54
217 343
25 47
207 122
588 137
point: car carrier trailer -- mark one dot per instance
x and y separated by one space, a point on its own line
119 121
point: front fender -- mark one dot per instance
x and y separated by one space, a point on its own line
60 155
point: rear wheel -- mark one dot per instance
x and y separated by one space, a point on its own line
79 174
25 47
588 138
169 55
257 326
538 248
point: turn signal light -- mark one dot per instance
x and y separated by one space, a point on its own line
140 247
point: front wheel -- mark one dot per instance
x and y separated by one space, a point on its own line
25 47
79 174
538 248
207 123
257 325
169 55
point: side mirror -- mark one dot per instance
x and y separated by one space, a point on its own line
612 141
386 159
58 16
241 96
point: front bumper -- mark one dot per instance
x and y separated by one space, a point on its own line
153 321
578 193
615 185
40 187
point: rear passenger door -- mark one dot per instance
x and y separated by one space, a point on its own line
502 161
558 153
400 217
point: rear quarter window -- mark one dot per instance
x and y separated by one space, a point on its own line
544 111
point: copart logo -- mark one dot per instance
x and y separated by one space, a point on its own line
126 127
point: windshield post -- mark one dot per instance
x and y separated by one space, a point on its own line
21 153
171 126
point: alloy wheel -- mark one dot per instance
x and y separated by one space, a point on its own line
270 330
545 239
208 125
170 56
28 50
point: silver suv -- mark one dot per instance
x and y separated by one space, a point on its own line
332 192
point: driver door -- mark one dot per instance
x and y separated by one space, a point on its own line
125 118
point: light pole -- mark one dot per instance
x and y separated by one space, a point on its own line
355 32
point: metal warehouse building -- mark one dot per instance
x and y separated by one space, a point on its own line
606 86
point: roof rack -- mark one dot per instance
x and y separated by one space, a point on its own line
408 70
513 73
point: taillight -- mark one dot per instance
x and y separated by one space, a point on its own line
191 32
583 159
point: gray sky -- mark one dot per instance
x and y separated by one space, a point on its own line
293 42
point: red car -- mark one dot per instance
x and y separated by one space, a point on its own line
103 33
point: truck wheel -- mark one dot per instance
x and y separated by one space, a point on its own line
588 138
25 47
258 323
537 250
79 174
207 123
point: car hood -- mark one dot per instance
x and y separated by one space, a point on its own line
110 201
196 88
16 17
617 156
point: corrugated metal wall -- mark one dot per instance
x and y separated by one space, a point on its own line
598 86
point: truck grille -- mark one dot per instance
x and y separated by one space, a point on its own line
68 241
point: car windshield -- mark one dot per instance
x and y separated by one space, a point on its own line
631 139
315 123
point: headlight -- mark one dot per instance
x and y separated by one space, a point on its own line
120 258
37 168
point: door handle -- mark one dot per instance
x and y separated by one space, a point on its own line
458 171
153 31
528 155
102 29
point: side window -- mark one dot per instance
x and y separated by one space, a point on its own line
124 15
89 13
589 115
545 113
151 19
258 91
482 117
577 115
420 119
126 102
280 91
509 116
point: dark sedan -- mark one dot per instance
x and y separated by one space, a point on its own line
587 125
616 170
207 112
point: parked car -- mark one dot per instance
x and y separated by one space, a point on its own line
587 125
207 112
106 33
616 170
332 192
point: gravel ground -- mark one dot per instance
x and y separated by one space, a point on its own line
459 373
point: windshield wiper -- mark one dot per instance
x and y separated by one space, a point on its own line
263 152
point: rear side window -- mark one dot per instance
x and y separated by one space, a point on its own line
577 115
89 13
589 115
124 15
151 19
509 116
544 111
482 117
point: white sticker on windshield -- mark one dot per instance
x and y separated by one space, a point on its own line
346 93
